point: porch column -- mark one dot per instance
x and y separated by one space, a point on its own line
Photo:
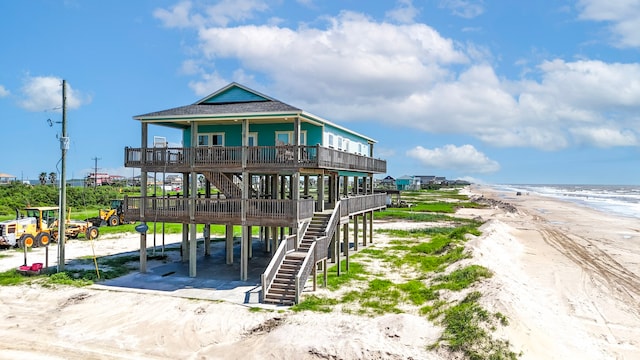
320 186
345 186
207 227
143 202
228 232
364 229
345 233
355 232
371 227
246 230
337 238
185 226
193 243
306 185
190 192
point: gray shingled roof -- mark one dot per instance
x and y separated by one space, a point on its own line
223 109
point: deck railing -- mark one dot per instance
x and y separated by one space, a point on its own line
218 210
356 204
258 157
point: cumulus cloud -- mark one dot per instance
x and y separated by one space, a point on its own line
40 93
623 17
464 8
353 68
185 15
4 92
353 59
461 158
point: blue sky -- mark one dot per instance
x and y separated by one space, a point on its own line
489 91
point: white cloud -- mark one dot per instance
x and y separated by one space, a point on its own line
404 13
354 68
622 15
179 16
40 93
4 92
353 58
461 158
605 137
464 8
183 14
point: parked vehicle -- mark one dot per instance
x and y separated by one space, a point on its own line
39 226
112 217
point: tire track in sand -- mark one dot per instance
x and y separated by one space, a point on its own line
625 285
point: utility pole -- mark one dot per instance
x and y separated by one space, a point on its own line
95 173
64 146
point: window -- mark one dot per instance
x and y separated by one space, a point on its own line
215 139
286 137
330 140
339 142
283 138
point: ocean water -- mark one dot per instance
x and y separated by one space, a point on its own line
622 200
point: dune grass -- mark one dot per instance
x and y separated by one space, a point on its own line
427 259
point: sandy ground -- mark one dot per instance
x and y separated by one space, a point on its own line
568 279
566 276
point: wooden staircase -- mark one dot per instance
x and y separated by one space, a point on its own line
282 291
223 183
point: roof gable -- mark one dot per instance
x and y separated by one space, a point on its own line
233 93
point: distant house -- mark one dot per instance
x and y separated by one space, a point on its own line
388 182
6 178
407 182
99 179
426 179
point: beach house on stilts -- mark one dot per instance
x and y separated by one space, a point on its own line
300 178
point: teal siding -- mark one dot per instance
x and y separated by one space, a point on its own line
266 133
314 133
232 95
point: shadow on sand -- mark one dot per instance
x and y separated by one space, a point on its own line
215 280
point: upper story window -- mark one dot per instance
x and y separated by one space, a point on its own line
215 139
330 141
286 137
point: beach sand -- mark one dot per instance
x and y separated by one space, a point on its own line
566 277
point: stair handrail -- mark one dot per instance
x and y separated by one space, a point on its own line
269 274
303 231
305 270
333 220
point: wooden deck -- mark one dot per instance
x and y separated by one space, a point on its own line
258 212
258 158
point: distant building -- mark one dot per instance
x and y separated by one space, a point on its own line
99 179
6 178
387 183
407 182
